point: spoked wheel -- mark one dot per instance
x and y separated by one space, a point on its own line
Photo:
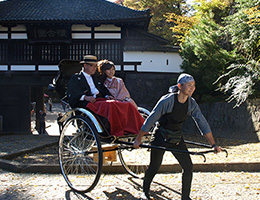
135 161
80 154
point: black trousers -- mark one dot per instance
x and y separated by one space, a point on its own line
156 160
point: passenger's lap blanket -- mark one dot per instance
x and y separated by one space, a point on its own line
123 117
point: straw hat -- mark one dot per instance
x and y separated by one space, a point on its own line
89 59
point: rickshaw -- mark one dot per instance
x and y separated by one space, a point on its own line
85 139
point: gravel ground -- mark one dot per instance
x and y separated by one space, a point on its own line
166 186
238 151
206 186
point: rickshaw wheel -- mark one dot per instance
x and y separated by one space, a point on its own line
135 161
80 154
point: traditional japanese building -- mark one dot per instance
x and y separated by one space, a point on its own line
35 35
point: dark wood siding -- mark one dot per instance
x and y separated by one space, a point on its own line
22 52
15 108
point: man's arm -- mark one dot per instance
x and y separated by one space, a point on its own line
203 125
137 141
211 141
163 106
90 99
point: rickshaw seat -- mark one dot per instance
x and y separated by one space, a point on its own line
66 69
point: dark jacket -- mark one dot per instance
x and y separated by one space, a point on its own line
165 105
78 86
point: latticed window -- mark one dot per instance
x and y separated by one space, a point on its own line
77 50
22 52
3 51
18 52
108 50
50 52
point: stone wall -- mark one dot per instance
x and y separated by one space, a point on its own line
233 122
147 88
225 120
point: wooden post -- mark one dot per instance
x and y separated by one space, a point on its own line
39 104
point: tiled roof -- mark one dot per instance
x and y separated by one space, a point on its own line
68 10
148 45
139 40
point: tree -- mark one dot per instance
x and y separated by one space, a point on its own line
219 39
184 22
203 56
159 10
182 26
119 2
243 28
205 49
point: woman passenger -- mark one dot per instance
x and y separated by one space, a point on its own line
115 85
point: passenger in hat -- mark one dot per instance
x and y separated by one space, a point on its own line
85 87
83 91
171 111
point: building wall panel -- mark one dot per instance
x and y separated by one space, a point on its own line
155 61
15 108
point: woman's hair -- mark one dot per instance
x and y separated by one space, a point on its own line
104 65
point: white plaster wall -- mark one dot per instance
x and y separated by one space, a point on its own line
2 28
105 32
22 67
3 67
81 35
19 28
3 35
80 27
107 36
48 68
108 27
15 35
155 61
19 36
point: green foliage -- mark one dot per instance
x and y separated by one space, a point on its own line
217 9
243 76
182 26
203 56
159 9
241 82
243 31
221 41
226 49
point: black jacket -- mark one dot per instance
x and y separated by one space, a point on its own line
78 86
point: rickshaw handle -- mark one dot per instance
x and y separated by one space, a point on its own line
166 149
204 145
197 144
